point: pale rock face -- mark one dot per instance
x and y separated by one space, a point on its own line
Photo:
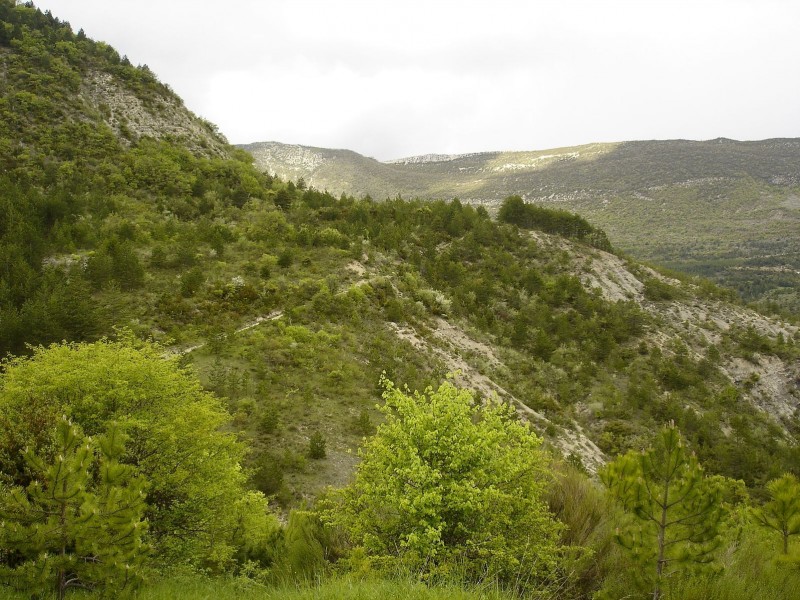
774 390
130 118
288 161
428 158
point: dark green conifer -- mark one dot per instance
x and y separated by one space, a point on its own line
79 522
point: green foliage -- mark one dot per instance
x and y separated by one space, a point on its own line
75 194
363 424
193 587
514 210
270 419
79 523
283 199
703 208
658 290
191 282
586 511
782 512
304 553
316 446
196 485
268 474
676 512
290 288
285 259
751 572
466 493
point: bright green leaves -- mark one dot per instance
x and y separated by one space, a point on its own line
79 523
449 485
676 512
196 489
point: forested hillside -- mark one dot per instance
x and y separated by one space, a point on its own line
218 382
722 209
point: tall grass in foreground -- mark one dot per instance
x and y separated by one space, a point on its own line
753 570
200 588
748 580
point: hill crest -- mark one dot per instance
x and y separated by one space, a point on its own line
719 208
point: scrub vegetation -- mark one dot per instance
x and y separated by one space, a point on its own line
220 383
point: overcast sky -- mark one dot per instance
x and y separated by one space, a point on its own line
397 78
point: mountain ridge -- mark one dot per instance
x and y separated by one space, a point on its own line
718 208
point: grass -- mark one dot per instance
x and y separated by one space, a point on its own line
752 570
200 588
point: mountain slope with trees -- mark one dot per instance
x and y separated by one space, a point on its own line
722 209
234 328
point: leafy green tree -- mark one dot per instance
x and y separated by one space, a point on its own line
196 484
447 484
283 199
782 512
79 523
677 512
285 258
128 269
363 423
268 474
513 211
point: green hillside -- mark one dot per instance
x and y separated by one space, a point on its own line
218 382
722 209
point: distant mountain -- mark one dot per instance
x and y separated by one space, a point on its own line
724 209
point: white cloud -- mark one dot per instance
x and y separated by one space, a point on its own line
389 79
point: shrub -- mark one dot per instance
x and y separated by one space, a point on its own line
465 495
316 446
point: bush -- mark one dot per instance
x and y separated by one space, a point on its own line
657 290
285 259
465 495
191 282
316 446
268 475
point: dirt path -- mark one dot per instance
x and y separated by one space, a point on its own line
275 314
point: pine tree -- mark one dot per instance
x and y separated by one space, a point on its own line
676 511
782 512
79 523
316 446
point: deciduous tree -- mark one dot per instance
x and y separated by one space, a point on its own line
196 484
447 485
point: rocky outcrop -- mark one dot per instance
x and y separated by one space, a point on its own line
159 117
